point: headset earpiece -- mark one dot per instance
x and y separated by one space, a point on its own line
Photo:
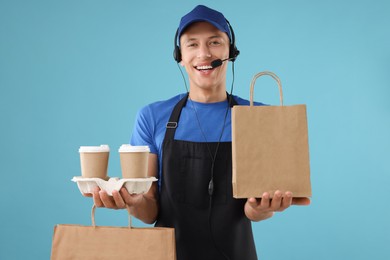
233 51
176 50
177 54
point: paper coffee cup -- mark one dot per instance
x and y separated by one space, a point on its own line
134 161
94 161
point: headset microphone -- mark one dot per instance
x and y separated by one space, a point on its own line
218 62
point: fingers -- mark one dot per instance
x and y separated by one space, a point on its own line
265 201
253 202
276 201
279 202
286 201
108 201
264 207
102 199
119 201
96 198
257 203
131 199
125 195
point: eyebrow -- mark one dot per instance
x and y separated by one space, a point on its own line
210 38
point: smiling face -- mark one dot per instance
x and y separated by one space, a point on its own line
200 44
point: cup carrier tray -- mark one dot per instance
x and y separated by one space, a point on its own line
134 185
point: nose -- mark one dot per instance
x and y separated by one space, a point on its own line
204 52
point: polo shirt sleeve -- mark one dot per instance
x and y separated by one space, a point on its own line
143 131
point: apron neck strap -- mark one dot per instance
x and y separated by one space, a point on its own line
175 115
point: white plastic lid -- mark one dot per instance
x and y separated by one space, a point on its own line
127 148
94 149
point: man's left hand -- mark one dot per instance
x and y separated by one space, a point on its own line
257 209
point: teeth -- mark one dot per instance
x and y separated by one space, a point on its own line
204 67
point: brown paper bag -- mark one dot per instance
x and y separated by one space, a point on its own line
101 242
270 148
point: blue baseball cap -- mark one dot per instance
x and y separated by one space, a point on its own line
202 13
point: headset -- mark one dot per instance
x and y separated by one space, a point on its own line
233 51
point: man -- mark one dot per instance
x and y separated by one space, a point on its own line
190 140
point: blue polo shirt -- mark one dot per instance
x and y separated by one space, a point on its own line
195 117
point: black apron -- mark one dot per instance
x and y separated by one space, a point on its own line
206 228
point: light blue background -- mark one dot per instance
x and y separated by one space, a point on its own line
74 72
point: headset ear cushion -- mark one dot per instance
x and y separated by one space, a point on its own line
177 54
233 53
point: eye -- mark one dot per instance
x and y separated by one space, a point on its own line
215 43
191 44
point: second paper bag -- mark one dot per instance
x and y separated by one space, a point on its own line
106 242
270 148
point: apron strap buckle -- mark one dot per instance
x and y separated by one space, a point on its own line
172 125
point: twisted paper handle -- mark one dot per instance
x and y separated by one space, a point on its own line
273 75
93 215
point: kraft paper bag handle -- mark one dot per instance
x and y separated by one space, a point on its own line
93 216
273 75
